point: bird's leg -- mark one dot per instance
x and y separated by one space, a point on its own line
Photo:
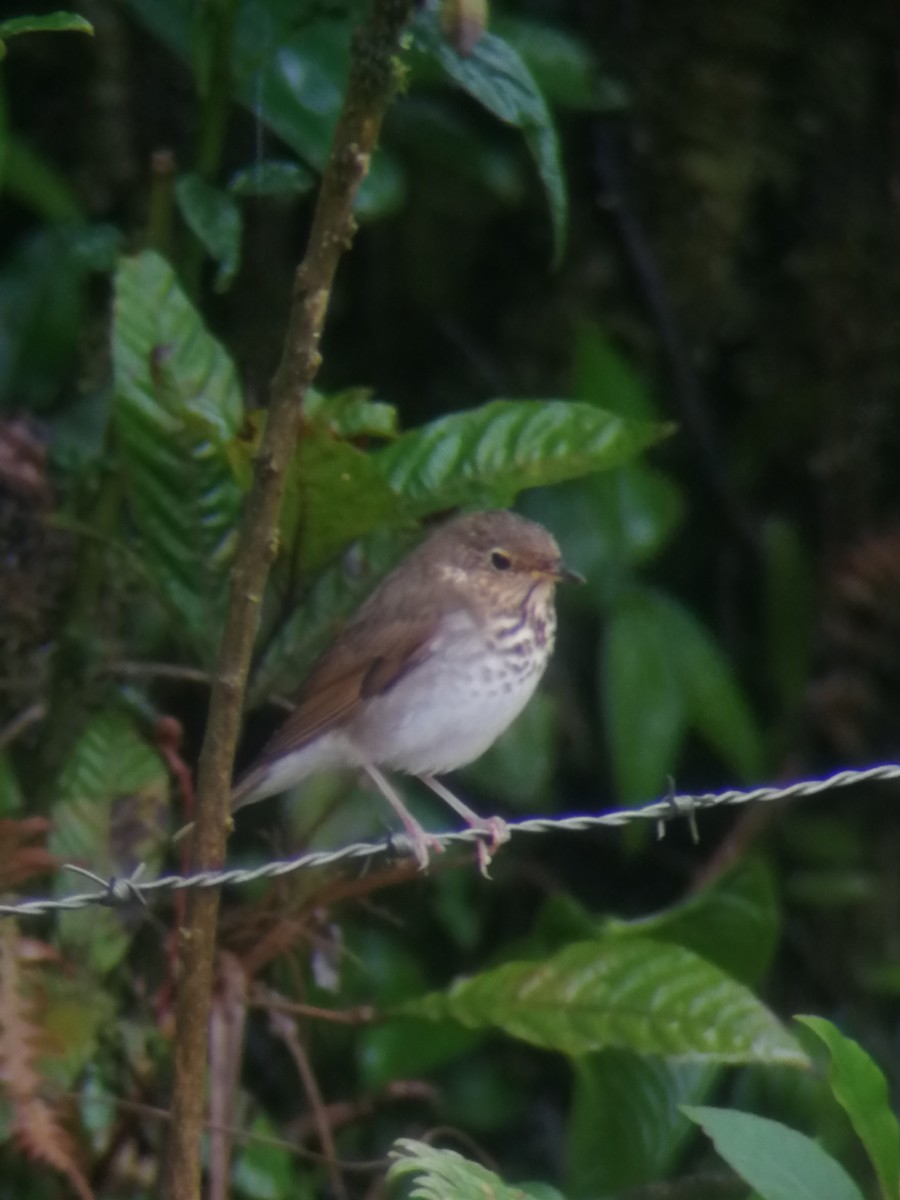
417 835
495 827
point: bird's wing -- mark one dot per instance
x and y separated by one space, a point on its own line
343 677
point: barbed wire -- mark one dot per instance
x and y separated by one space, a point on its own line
136 890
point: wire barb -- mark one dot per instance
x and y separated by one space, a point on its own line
133 889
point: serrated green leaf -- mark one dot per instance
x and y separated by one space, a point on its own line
333 495
177 407
496 77
438 1174
641 995
626 1126
215 220
110 814
489 454
861 1089
780 1163
273 177
58 22
734 923
350 414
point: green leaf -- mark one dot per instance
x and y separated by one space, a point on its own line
333 495
58 22
294 77
715 703
497 78
643 700
611 523
489 454
861 1089
272 177
290 73
626 1127
350 414
110 814
441 1174
564 65
215 219
36 183
265 1170
409 1049
42 307
450 145
605 377
640 995
177 407
780 1163
734 923
663 673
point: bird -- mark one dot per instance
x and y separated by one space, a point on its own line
436 663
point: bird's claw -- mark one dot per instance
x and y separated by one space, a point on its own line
497 832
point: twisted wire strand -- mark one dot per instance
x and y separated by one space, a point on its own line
135 889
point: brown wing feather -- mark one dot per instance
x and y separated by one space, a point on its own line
343 677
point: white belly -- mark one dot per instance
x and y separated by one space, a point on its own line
446 712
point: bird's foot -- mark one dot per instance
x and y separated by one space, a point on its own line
497 832
495 827
422 843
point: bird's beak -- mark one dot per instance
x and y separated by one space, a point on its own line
562 574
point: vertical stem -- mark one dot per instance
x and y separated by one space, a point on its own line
369 91
160 202
214 83
212 72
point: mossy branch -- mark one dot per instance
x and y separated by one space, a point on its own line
370 88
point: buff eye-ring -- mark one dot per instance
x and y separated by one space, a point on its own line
500 560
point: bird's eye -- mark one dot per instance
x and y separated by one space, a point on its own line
500 561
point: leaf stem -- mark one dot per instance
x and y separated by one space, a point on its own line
212 73
370 89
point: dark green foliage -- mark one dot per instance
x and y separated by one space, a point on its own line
665 237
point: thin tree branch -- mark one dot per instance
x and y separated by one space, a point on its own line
285 1028
22 723
370 88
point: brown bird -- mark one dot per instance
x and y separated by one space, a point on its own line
434 666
